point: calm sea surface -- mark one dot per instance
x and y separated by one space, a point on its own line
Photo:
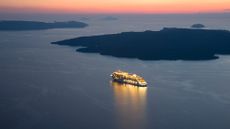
44 86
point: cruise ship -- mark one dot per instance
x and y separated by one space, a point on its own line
125 77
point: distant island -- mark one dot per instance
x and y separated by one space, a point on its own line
35 25
109 18
198 26
166 44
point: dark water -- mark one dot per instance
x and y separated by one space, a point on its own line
44 86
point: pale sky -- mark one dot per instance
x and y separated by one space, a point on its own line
116 6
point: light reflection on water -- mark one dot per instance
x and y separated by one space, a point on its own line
130 103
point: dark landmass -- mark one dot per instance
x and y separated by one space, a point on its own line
35 25
198 26
167 44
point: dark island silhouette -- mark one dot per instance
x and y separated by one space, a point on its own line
166 44
35 25
198 26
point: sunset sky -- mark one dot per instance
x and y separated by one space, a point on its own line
115 6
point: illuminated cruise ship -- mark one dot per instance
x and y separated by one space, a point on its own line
124 77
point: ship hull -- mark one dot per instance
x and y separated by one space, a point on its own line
134 83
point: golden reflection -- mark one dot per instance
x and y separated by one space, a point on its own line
130 102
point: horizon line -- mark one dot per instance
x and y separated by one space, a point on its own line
116 13
19 10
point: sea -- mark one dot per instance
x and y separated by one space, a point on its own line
46 86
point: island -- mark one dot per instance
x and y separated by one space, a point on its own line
166 44
198 26
36 25
109 18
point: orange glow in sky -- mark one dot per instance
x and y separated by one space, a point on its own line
116 6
